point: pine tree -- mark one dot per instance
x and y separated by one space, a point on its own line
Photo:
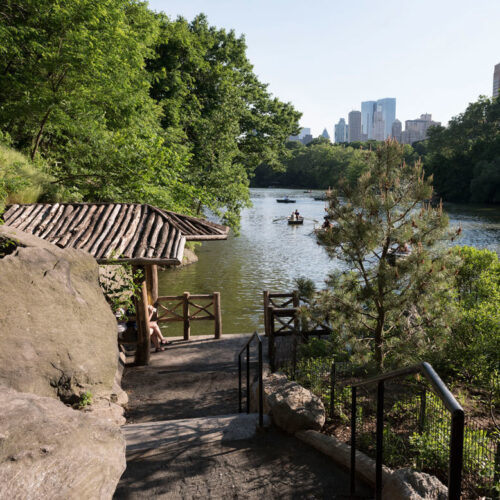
391 300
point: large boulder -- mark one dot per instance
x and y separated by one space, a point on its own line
58 332
48 450
292 407
408 484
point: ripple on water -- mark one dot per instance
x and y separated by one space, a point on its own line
269 255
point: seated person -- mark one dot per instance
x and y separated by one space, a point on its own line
154 331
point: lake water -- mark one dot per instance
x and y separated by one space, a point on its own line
269 254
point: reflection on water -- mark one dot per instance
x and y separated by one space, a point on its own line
269 254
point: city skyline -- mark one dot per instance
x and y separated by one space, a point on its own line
311 58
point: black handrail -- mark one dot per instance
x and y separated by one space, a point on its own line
246 348
449 401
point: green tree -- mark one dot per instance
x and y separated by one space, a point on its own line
215 106
464 156
74 90
474 346
387 304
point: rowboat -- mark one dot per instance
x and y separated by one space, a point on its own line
285 200
295 221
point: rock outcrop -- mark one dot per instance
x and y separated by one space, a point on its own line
408 484
58 342
58 332
291 406
48 450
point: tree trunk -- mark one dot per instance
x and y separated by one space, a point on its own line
379 351
40 133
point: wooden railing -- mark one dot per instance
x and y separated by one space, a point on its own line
184 308
281 320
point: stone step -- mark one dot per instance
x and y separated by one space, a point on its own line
152 435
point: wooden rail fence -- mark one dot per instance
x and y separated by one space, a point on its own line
281 320
184 308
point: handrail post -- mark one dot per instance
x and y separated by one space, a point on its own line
239 383
456 455
248 378
332 390
217 315
261 388
353 440
380 440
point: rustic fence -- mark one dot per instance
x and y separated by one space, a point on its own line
184 308
281 320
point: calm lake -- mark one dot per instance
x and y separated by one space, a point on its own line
269 254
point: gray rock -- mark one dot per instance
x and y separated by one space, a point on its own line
58 332
292 407
48 450
407 484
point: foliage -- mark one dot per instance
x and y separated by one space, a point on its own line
465 156
474 347
318 165
385 305
215 105
126 106
7 246
85 400
120 284
74 90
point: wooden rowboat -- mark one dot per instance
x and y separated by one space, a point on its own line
295 221
285 200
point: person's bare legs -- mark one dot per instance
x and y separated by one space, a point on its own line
156 331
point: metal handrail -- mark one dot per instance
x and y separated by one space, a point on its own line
449 401
246 348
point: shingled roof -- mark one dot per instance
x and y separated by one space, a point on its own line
111 232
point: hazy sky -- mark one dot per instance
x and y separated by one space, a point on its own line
434 56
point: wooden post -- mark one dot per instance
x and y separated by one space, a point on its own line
185 310
143 350
266 312
217 315
149 284
271 346
154 283
296 303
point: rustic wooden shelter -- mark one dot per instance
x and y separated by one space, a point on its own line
141 235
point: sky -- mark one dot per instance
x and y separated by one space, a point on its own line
325 57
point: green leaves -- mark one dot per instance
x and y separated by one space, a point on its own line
219 111
464 157
392 300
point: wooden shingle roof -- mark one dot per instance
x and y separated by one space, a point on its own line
127 232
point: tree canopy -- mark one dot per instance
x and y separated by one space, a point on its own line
127 105
464 157
216 106
390 302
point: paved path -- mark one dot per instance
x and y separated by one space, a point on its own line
183 444
190 379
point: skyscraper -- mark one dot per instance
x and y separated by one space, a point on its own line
378 129
496 81
388 108
354 126
341 131
367 109
397 128
325 134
